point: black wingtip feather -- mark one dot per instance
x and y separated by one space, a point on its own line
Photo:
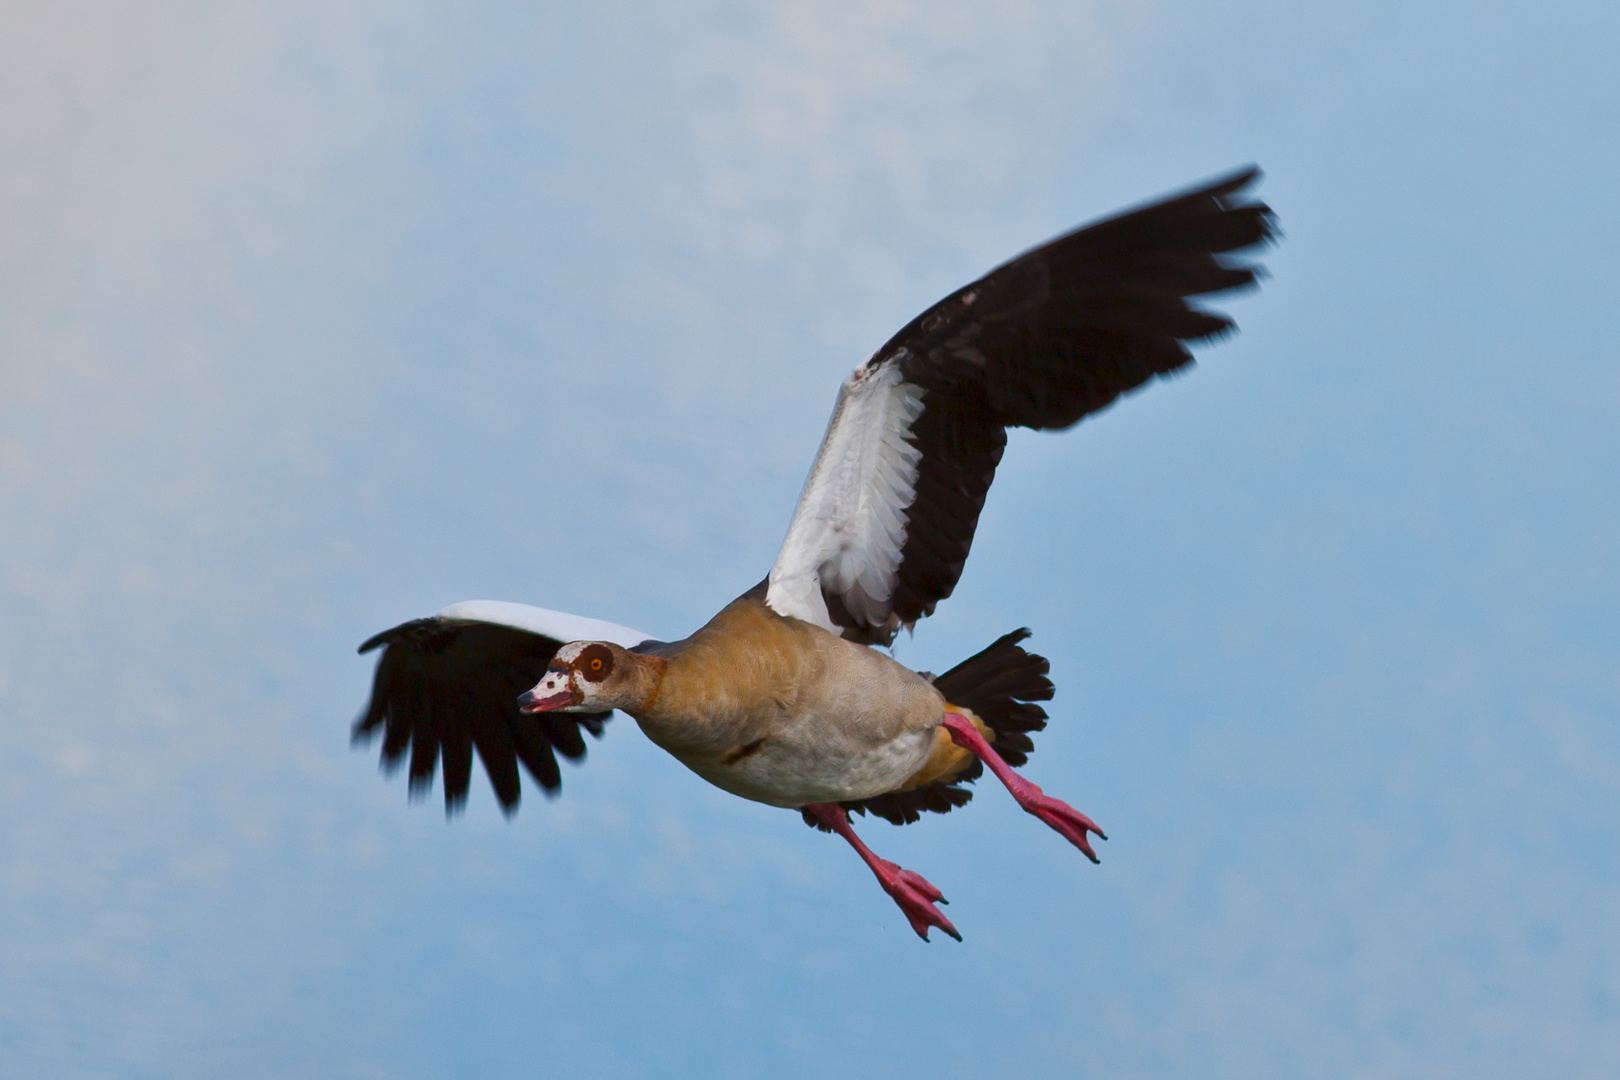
1050 337
397 633
445 690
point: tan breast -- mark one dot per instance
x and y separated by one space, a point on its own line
781 711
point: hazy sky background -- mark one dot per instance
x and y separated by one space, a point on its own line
305 307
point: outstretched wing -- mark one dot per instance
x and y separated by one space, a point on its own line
888 513
448 685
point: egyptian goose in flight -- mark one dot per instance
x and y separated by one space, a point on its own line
781 697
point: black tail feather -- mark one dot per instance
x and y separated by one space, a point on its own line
999 685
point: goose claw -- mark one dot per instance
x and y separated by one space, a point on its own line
916 896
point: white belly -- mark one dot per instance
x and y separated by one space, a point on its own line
810 761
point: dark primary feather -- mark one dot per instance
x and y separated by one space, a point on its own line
1056 334
999 684
447 687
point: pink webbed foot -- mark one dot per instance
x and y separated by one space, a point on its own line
915 894
1070 823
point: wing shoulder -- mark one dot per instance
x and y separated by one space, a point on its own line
838 561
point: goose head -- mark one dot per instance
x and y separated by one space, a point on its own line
593 677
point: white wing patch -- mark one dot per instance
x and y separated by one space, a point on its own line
850 524
557 625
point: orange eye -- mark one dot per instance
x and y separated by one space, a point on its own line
595 663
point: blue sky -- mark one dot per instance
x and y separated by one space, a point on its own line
304 309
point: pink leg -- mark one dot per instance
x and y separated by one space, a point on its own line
911 891
1055 812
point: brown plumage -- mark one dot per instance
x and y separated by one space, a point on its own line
774 709
780 697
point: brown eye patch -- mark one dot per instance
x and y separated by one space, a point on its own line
595 663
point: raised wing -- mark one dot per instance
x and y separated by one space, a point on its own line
448 685
887 516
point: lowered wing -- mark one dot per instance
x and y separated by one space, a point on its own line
447 686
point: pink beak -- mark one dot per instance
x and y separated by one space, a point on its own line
527 702
552 692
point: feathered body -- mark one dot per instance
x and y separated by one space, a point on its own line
780 711
780 698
